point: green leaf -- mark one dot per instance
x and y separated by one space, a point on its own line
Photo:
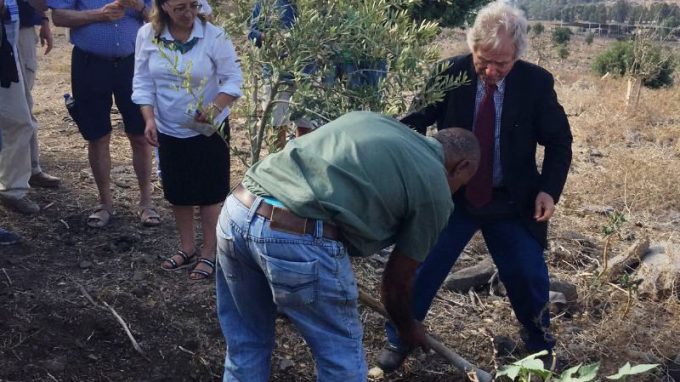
627 370
511 371
567 375
532 364
589 372
643 368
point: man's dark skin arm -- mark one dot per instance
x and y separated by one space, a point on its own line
396 295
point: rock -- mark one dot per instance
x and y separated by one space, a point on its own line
573 235
600 210
285 364
56 364
140 291
626 261
505 346
563 297
595 153
85 264
572 329
376 372
124 243
471 277
146 259
568 290
660 271
138 276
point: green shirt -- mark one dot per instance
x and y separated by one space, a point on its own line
379 181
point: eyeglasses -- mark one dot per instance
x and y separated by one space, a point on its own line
194 7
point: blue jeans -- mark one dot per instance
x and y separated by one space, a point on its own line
306 277
521 268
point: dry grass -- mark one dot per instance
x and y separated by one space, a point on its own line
624 162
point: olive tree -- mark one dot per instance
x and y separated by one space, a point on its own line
643 61
313 55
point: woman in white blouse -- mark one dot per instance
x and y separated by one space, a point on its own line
186 76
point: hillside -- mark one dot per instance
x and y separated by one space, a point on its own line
663 13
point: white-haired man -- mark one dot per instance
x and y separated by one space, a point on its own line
512 108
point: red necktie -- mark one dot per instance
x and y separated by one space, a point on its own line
478 191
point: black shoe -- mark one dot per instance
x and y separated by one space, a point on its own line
391 358
506 347
45 180
8 238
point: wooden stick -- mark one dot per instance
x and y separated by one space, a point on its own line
459 362
127 330
122 322
7 276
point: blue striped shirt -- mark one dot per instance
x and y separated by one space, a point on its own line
12 27
12 9
107 39
498 103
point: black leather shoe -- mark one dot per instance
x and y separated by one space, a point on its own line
391 358
45 180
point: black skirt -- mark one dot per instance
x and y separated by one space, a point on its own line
194 171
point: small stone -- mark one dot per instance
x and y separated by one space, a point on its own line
376 372
567 294
285 364
85 264
599 210
596 153
139 292
572 330
57 364
138 276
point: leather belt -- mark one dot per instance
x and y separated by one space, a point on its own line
282 219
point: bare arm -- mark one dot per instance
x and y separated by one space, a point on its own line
150 129
45 34
396 296
71 18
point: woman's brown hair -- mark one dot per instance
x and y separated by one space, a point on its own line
159 19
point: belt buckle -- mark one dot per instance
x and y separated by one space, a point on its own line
278 222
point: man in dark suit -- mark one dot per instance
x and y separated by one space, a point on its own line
512 108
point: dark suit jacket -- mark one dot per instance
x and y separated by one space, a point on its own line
531 116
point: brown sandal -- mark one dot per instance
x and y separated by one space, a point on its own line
149 216
187 261
99 217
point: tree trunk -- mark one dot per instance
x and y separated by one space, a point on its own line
633 93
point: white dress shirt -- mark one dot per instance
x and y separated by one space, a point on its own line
209 68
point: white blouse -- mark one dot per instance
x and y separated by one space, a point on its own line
211 67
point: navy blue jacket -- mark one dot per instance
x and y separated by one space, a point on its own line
531 116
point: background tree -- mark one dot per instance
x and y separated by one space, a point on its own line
448 13
537 28
561 35
375 35
643 61
539 43
589 38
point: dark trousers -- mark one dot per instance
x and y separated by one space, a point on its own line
521 267
96 81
